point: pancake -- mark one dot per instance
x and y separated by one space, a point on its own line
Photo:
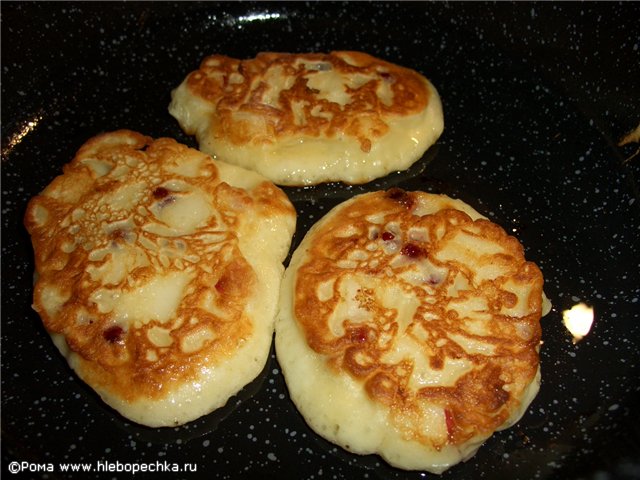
304 119
409 327
158 271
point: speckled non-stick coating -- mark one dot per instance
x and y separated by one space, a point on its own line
536 97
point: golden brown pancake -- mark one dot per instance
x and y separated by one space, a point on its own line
304 119
409 326
158 271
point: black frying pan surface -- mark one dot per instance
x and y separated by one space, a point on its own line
536 97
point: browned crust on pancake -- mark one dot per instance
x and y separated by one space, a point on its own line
114 356
477 404
235 86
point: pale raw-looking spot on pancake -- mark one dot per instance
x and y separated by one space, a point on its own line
158 271
409 326
304 119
